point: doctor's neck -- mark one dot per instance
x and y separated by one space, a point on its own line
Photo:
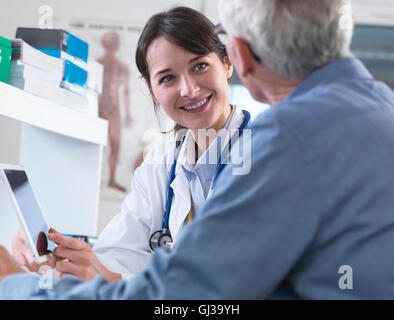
204 137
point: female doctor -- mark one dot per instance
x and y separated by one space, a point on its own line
186 69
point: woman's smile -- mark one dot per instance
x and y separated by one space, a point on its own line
197 106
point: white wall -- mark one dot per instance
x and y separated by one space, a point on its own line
9 140
379 12
25 12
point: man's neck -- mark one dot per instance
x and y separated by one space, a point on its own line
273 87
279 93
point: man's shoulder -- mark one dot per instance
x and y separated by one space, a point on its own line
331 104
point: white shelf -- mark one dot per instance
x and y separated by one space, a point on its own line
25 107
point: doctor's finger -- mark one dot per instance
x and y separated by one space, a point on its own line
62 252
71 268
67 267
66 241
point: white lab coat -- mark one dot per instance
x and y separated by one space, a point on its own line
123 245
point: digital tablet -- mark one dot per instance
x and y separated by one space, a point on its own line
27 207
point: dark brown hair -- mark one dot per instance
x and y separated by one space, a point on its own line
184 27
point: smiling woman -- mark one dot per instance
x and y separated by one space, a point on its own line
192 90
186 69
186 66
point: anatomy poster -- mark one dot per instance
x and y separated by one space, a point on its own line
124 101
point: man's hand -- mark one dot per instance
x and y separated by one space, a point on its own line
77 258
8 264
20 250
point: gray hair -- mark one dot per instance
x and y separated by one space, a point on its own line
292 37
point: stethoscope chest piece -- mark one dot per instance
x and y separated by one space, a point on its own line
161 239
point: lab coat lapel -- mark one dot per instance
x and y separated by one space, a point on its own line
181 203
182 200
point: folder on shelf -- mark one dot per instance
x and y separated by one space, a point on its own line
50 91
19 69
5 58
81 80
27 54
55 41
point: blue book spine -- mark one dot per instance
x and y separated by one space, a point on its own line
51 52
77 47
74 74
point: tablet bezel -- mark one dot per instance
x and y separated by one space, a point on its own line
37 258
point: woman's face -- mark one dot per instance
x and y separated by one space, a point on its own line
192 90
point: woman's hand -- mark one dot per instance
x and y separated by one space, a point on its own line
77 258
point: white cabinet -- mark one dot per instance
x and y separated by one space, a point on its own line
62 151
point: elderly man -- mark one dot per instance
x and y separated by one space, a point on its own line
314 217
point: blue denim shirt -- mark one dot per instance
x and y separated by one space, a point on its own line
313 218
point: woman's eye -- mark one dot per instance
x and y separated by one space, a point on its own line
200 66
166 79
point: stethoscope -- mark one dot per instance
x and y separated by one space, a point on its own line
162 238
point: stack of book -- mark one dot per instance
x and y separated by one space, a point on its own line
67 83
5 58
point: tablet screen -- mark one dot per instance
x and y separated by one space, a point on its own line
30 210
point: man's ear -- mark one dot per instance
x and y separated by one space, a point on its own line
150 89
245 57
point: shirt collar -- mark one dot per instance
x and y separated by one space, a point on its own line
344 68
